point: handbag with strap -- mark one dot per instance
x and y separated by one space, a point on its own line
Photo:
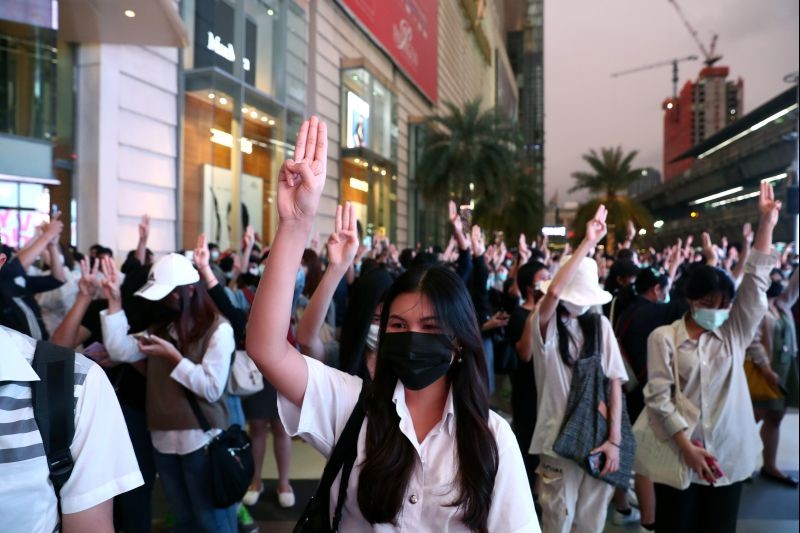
585 425
316 516
761 389
658 457
231 460
245 378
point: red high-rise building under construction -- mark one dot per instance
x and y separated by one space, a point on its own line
701 109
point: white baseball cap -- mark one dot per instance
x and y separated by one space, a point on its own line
172 270
584 289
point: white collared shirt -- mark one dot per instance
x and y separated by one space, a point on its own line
206 379
329 400
105 464
712 377
554 378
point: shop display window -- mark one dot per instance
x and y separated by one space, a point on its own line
28 57
23 207
369 115
208 170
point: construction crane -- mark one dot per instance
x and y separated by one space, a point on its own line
708 53
673 62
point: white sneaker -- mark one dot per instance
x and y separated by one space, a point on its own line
286 499
619 519
251 496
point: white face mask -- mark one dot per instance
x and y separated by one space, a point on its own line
373 336
575 310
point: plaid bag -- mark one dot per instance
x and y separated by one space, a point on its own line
585 425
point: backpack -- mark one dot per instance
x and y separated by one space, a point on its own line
54 408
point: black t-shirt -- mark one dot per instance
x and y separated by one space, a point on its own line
636 324
523 384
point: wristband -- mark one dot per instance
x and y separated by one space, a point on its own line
613 443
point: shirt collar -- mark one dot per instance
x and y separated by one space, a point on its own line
17 353
399 399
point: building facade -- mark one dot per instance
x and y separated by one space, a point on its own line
701 109
185 110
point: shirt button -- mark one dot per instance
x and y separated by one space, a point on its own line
413 499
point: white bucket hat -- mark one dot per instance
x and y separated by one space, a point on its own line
584 289
172 270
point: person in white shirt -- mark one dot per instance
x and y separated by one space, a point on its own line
188 354
571 499
104 463
710 344
430 454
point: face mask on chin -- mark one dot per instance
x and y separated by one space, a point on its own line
418 359
575 310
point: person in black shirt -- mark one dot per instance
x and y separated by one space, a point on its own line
649 310
523 384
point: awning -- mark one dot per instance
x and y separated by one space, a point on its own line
137 22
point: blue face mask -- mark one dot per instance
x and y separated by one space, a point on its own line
710 319
501 276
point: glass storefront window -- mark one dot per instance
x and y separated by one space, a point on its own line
27 80
211 24
370 184
23 207
369 119
208 169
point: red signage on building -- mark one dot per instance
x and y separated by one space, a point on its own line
408 31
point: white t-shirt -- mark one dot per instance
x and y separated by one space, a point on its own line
105 464
329 400
553 377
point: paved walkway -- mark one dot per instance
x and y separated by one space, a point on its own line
765 507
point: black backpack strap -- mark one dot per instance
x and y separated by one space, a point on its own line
201 418
345 452
54 408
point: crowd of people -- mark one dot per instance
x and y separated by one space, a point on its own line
636 377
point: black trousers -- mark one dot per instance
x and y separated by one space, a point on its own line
698 509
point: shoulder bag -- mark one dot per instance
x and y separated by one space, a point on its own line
585 425
231 459
245 378
657 455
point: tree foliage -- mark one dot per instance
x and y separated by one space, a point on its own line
612 171
471 153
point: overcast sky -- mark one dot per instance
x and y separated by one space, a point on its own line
587 40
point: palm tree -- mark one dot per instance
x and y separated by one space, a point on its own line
468 153
517 212
612 171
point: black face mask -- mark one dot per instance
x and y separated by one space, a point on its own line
775 289
418 359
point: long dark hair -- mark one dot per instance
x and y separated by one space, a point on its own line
196 316
365 295
390 457
587 323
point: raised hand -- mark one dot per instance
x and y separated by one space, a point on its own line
202 257
249 238
343 242
144 228
302 179
111 283
709 250
89 285
455 218
768 206
476 238
747 233
596 228
53 229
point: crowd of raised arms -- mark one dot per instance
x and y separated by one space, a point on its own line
637 377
